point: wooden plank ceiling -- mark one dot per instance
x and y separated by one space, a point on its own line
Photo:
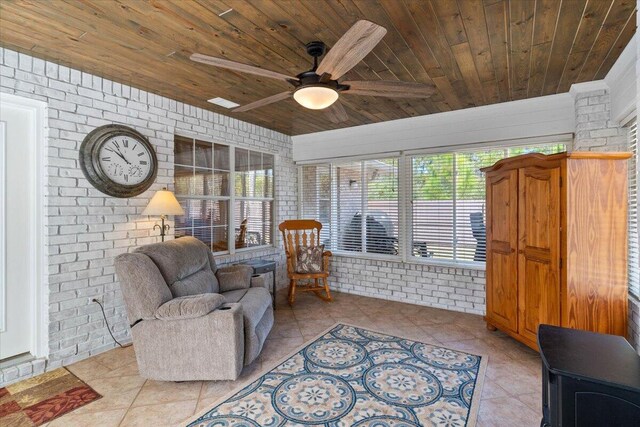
475 52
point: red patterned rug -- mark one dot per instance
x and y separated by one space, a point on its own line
40 399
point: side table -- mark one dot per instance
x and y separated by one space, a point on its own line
261 266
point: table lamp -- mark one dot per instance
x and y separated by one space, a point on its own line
163 203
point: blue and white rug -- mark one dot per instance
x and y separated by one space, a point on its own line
351 376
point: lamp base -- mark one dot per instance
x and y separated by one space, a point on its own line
163 228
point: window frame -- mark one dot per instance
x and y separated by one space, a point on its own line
405 191
232 197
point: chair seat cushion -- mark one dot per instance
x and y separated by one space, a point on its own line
189 307
234 296
254 303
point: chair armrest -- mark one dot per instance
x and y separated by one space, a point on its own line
210 346
189 307
325 260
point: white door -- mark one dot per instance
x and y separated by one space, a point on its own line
17 175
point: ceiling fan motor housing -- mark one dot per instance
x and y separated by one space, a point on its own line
310 77
316 49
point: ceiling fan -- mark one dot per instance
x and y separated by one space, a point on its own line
319 88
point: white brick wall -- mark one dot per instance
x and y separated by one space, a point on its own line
457 289
86 229
595 131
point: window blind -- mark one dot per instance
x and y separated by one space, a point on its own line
448 201
381 206
315 198
443 218
634 237
357 203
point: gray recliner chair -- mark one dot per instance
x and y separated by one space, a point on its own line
190 320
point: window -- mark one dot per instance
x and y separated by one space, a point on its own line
448 201
253 203
341 195
315 198
444 217
203 177
634 236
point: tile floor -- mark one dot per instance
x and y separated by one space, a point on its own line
510 397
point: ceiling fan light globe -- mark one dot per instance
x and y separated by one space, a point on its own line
315 97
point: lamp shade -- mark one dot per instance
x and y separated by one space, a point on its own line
315 97
163 203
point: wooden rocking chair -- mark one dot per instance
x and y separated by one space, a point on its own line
301 233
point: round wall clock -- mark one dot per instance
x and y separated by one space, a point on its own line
118 161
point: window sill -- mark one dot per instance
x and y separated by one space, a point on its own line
414 260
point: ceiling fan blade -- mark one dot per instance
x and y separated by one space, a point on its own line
237 66
352 47
262 102
336 113
390 88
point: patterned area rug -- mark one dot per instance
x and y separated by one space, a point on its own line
40 399
351 376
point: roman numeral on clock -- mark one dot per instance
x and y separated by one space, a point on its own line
106 159
143 162
141 154
126 143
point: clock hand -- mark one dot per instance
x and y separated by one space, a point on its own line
123 157
118 153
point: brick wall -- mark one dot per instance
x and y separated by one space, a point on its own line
457 289
594 129
86 229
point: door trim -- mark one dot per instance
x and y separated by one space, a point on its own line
38 281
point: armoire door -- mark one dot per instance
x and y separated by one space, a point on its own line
538 249
502 241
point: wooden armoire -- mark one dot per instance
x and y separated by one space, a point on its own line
557 243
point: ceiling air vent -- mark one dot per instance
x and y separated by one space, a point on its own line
223 102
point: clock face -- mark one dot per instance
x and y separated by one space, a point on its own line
124 160
118 160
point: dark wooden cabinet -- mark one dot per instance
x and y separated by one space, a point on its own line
556 243
589 379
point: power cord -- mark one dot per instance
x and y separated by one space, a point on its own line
104 316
